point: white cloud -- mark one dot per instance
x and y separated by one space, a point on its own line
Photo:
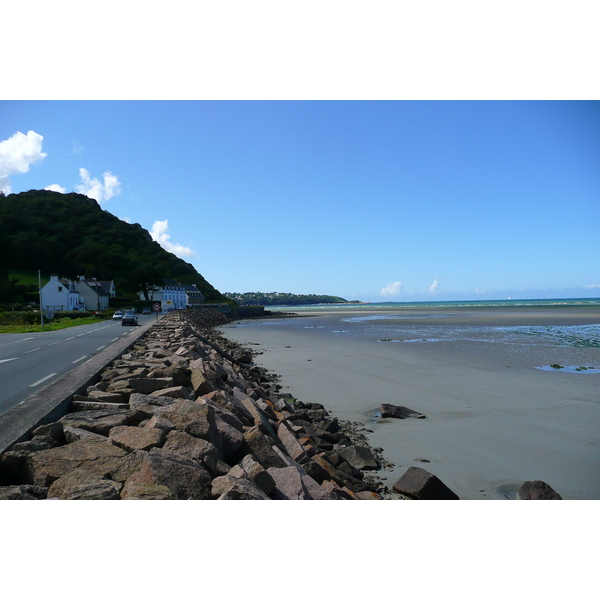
435 286
17 153
94 188
159 234
392 289
54 187
594 285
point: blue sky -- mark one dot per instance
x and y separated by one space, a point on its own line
369 200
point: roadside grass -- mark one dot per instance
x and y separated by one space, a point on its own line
28 277
63 323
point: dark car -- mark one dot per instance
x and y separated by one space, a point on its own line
146 311
129 319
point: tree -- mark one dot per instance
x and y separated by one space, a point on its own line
11 290
144 279
72 235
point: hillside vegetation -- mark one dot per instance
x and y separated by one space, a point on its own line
282 298
71 235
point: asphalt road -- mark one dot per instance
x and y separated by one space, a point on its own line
31 361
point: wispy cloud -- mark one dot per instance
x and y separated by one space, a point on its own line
17 153
594 285
392 289
94 188
77 147
54 187
159 234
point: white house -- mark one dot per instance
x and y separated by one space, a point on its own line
92 292
61 294
172 295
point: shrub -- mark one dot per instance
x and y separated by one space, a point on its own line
14 317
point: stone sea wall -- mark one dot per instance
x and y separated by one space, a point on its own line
186 415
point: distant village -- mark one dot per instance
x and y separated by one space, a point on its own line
61 294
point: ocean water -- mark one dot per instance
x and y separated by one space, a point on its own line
575 348
572 336
552 302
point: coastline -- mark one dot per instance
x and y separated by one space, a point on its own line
493 419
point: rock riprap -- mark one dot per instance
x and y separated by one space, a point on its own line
186 415
537 490
419 484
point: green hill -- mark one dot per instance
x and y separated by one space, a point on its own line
282 298
71 235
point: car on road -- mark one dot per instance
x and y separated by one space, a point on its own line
129 319
118 315
146 311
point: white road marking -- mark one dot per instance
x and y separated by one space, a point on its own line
80 335
8 359
28 351
76 361
17 341
114 339
88 332
42 380
101 347
70 338
54 344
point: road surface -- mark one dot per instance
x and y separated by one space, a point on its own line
31 361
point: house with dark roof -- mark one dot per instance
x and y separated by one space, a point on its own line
175 296
171 295
106 286
193 296
93 293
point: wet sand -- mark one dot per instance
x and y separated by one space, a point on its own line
493 419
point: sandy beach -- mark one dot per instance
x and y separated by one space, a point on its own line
494 420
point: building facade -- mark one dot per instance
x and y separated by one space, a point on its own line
91 290
61 294
175 296
193 296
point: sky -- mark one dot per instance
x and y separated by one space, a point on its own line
404 152
368 200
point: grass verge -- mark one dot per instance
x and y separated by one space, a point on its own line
64 323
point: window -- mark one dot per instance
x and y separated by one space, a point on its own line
60 288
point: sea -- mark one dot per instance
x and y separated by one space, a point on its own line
445 304
433 325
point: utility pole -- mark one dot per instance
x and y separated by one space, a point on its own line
41 306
